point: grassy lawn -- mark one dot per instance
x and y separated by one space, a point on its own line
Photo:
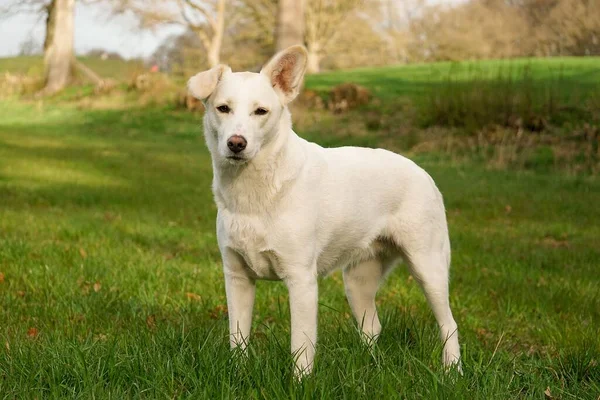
34 66
574 75
111 283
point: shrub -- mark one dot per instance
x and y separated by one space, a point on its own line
509 98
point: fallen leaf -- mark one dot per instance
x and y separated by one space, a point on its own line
20 293
542 282
548 394
97 287
82 253
101 337
218 312
85 288
77 318
555 243
151 321
7 345
33 333
260 335
108 216
1 277
193 296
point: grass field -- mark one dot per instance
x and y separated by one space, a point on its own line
574 75
34 65
111 284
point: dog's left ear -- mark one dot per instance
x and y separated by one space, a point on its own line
204 83
286 70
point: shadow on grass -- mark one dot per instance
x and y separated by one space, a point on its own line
158 170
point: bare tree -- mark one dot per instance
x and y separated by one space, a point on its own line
30 47
323 19
206 18
58 44
258 20
474 30
571 27
357 44
59 52
290 23
396 18
507 28
209 32
251 39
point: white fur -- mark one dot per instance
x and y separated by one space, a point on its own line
291 210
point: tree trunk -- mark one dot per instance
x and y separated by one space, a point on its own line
214 50
314 59
290 23
58 45
213 54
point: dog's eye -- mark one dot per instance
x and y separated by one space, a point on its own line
261 111
224 109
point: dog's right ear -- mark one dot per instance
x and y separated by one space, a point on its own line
204 83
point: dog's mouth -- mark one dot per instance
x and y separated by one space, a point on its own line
236 159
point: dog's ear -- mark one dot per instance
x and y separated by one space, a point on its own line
204 83
286 70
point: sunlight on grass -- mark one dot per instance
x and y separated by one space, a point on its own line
39 173
33 142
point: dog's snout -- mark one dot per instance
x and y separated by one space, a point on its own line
236 143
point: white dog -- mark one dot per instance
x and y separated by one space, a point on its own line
291 210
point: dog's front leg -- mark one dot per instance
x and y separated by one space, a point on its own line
303 291
240 290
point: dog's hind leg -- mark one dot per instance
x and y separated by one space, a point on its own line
361 283
431 270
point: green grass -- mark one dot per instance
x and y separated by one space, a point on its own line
417 81
112 284
33 65
533 94
541 114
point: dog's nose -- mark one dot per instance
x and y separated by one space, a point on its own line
236 143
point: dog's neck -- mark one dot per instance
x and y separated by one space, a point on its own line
257 185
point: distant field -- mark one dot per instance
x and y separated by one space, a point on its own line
413 80
111 284
33 65
573 75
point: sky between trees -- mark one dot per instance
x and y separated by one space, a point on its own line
96 28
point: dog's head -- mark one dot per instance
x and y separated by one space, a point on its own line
244 109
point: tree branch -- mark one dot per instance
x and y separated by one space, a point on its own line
23 7
192 24
203 36
202 10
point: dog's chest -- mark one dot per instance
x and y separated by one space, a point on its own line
248 236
